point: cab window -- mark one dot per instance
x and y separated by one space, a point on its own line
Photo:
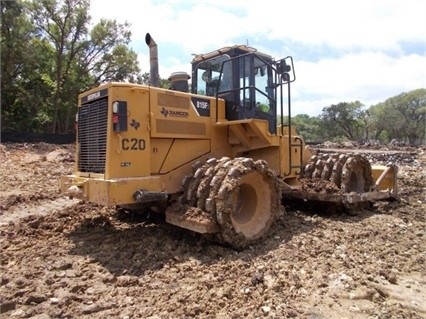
208 75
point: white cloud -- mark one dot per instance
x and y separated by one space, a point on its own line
341 24
367 77
348 24
368 58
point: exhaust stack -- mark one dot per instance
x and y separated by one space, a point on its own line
154 79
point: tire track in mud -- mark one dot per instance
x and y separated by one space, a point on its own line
43 207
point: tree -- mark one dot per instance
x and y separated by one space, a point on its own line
402 117
344 120
145 79
384 123
308 127
63 24
107 56
40 86
25 72
82 59
412 107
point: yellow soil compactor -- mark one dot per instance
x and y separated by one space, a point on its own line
215 156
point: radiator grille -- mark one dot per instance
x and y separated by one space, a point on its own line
92 135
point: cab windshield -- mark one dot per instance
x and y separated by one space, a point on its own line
208 76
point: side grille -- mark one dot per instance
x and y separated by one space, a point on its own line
92 135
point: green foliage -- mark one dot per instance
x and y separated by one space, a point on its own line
343 120
308 126
402 117
40 86
21 69
145 78
164 83
107 56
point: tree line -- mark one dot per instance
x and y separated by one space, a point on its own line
401 118
51 51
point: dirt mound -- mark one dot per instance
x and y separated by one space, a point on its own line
72 259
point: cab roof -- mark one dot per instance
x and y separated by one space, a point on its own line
224 50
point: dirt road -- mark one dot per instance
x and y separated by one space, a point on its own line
70 259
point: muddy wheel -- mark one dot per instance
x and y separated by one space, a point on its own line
247 203
356 175
350 173
243 196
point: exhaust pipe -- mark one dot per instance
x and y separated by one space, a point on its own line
154 79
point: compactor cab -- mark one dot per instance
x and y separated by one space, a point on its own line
216 159
250 82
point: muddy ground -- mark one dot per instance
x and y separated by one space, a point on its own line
64 258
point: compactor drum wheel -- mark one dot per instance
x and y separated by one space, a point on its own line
356 175
242 195
349 173
341 174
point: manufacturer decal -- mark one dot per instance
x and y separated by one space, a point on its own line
94 96
172 113
135 124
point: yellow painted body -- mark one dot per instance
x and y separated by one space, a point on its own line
165 136
166 133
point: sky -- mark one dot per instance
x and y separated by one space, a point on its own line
343 51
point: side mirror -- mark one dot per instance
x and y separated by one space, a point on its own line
283 67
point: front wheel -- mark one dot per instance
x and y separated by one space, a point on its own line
247 202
